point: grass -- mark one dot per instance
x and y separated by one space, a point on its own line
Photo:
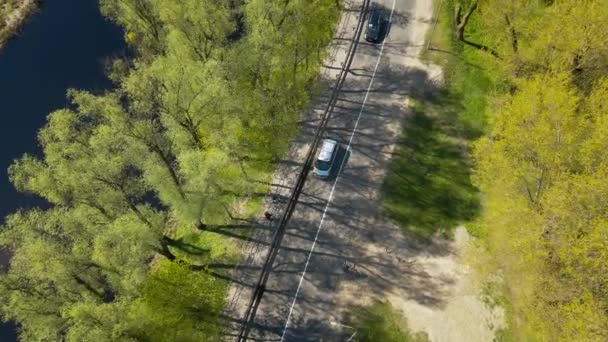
381 322
428 188
467 82
494 293
469 79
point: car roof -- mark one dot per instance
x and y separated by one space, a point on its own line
374 15
327 149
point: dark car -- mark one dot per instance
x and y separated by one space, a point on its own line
375 26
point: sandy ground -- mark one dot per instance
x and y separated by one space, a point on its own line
446 306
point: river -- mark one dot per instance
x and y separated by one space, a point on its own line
62 46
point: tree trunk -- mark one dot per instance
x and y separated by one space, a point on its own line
461 22
200 225
191 128
157 149
165 242
512 32
88 286
284 16
94 205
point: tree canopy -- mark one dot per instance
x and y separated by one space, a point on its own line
542 165
211 98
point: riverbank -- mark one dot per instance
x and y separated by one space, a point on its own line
49 31
217 170
13 15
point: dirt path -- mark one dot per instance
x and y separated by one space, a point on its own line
436 295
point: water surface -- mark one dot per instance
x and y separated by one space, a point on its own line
62 46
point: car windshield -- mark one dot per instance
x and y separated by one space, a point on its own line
374 21
322 165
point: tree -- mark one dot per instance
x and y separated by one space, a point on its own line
178 304
141 21
461 21
196 29
74 279
51 268
562 44
129 174
84 162
543 174
273 68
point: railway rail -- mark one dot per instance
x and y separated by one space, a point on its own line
260 286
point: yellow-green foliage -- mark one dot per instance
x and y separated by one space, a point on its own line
542 166
178 305
545 214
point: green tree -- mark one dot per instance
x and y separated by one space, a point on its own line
178 304
543 175
562 44
141 21
196 29
128 172
51 268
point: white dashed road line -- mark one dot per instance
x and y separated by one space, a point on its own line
331 194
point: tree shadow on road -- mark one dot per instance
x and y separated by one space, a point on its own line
428 188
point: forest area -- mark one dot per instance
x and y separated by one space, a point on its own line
530 79
140 180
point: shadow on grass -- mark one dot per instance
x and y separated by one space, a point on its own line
200 248
428 188
381 322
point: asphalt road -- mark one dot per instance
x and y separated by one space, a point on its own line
335 219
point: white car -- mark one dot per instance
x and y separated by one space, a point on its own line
326 159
